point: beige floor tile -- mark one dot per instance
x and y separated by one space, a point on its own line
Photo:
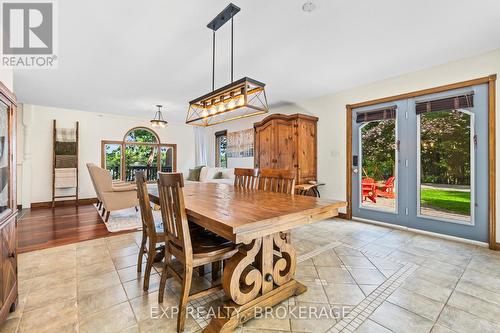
356 262
416 303
427 289
147 306
328 259
369 326
476 306
52 279
98 282
368 288
441 329
113 319
482 280
53 317
335 274
10 325
125 251
314 294
367 276
348 251
474 290
167 325
348 294
400 320
275 319
90 302
304 273
130 273
62 292
464 322
126 261
96 268
134 288
312 318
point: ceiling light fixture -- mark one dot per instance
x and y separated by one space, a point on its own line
309 6
158 120
239 99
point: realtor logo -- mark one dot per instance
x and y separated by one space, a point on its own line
28 31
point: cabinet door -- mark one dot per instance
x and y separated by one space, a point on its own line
8 259
307 150
265 137
285 145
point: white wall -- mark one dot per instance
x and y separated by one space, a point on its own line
331 110
94 127
7 77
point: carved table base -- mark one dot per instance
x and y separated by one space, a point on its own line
259 275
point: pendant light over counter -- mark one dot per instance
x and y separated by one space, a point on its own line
239 99
158 120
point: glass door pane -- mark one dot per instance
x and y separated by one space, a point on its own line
167 159
4 158
378 172
445 155
141 158
113 161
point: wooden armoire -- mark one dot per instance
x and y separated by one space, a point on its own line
8 206
287 142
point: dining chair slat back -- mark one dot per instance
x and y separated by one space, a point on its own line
173 211
277 180
246 178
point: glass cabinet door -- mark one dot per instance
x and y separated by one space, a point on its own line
4 159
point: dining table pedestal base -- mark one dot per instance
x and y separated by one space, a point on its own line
231 315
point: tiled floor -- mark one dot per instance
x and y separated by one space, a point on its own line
361 278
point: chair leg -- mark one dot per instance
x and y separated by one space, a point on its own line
103 211
107 216
99 205
215 270
149 263
164 275
141 251
186 287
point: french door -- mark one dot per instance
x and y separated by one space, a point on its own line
423 162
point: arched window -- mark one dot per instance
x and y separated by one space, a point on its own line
140 150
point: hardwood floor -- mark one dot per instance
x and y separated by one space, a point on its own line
42 228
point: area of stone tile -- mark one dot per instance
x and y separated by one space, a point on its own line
365 278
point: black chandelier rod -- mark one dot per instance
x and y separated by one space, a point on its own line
222 18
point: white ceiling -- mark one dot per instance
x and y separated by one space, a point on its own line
118 56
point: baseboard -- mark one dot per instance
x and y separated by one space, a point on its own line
63 203
422 232
342 216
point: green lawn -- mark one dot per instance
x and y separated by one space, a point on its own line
452 201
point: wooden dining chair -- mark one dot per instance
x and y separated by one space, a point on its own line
191 247
152 233
246 178
279 181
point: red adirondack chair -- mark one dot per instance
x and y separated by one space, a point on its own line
369 189
387 190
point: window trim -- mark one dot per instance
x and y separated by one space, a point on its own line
217 150
124 143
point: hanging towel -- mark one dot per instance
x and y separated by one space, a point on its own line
65 161
66 134
65 148
65 178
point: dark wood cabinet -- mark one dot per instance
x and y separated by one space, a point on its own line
288 142
8 206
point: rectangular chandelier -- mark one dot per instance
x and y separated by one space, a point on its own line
239 99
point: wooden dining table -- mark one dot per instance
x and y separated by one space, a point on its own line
261 274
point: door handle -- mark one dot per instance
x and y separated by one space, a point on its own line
355 170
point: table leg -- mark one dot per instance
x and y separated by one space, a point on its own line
259 275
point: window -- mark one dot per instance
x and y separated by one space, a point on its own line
140 150
220 149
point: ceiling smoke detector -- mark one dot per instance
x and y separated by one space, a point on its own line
309 6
